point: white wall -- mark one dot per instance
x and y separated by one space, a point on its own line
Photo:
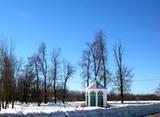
87 92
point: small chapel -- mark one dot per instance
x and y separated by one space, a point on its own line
96 95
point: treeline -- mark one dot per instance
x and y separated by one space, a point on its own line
133 97
44 75
42 78
31 96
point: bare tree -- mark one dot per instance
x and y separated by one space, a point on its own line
26 81
157 91
98 53
43 66
55 59
105 76
8 72
68 71
7 79
1 75
123 74
96 58
34 61
17 64
86 66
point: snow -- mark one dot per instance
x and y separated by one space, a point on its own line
45 108
118 104
70 109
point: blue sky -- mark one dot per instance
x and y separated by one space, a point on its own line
69 24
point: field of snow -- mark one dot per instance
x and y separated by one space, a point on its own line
73 109
118 104
45 108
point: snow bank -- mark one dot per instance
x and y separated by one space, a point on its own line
128 111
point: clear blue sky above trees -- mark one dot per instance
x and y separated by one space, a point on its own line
69 24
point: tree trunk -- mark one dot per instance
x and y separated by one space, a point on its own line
0 105
6 105
122 93
88 77
13 94
64 93
38 101
122 96
104 71
0 95
87 82
55 93
2 102
0 98
12 104
121 84
45 91
55 97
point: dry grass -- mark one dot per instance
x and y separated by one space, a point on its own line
156 115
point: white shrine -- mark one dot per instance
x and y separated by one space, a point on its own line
96 95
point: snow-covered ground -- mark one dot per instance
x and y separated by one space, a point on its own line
117 104
72 107
45 108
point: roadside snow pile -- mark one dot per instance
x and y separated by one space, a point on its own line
134 111
129 109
